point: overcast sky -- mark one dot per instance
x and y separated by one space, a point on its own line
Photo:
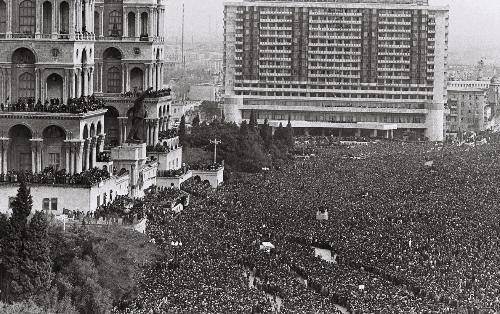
474 24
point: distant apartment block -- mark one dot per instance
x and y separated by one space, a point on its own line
472 106
370 68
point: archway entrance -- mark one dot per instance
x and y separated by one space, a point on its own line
53 143
112 127
54 86
19 158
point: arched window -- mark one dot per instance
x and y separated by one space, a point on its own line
3 17
114 80
27 17
144 24
115 24
131 24
27 85
64 17
47 17
97 23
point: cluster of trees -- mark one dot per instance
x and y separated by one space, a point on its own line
46 270
248 147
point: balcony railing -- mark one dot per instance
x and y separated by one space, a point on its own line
84 36
23 35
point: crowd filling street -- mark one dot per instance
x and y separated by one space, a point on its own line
414 227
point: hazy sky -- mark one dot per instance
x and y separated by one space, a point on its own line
474 24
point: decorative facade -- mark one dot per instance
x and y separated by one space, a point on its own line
358 65
69 72
473 106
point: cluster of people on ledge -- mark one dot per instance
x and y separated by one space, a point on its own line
409 238
167 134
82 104
52 176
152 94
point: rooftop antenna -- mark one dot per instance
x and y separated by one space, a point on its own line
182 41
209 27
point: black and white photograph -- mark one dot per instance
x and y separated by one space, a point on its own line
249 156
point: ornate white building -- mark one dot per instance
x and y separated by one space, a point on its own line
53 52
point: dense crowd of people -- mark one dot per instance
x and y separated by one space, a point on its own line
53 176
168 134
414 226
152 94
82 104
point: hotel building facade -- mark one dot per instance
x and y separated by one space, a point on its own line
368 68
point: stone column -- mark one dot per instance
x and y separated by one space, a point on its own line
79 156
146 125
72 21
154 74
125 23
38 18
65 85
67 153
43 84
137 23
78 84
9 84
34 158
85 81
37 84
150 22
78 15
91 81
148 76
160 21
91 16
72 83
72 163
93 154
4 155
155 22
156 131
101 22
55 13
160 84
125 78
39 145
100 143
88 154
101 84
9 19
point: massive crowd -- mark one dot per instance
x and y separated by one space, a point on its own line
415 227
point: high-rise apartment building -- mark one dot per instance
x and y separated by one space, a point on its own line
368 67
